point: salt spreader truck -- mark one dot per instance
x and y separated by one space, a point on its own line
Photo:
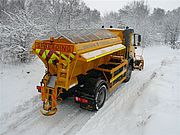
87 64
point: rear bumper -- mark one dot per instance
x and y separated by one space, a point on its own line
85 96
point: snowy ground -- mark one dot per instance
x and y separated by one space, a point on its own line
149 104
18 84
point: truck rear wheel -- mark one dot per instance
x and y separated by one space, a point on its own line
97 90
100 97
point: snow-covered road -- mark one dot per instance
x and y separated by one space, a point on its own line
141 106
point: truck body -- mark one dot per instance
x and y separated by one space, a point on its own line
86 64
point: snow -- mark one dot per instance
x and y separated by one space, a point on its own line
148 104
18 84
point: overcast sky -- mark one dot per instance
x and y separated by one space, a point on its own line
113 5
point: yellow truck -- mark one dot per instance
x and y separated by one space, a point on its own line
87 64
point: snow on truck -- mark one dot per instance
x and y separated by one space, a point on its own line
87 64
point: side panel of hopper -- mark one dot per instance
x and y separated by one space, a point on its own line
92 55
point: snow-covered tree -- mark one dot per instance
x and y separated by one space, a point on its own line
157 24
135 15
172 26
17 36
111 19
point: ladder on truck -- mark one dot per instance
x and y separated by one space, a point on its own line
63 71
62 82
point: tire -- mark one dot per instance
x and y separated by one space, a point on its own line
97 88
100 97
128 73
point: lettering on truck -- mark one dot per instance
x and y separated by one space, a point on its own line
54 47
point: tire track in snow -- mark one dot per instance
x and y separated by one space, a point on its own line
21 114
69 115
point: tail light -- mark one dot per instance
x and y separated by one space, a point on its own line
81 100
39 88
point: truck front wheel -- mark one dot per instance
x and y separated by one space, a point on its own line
128 73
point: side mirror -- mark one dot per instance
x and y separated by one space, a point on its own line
139 38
